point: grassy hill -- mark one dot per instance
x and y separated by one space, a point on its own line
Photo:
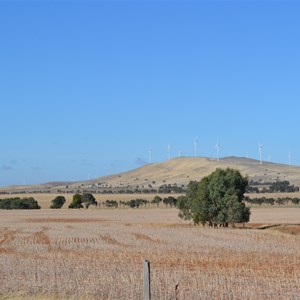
183 169
180 171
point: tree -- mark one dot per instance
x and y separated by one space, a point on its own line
77 201
170 201
18 203
111 203
217 200
58 202
156 200
88 199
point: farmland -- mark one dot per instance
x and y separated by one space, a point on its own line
98 254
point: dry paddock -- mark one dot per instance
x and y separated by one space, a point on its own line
98 254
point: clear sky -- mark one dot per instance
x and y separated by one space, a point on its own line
86 87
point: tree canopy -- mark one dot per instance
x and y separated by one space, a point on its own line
86 198
58 202
76 202
217 200
18 203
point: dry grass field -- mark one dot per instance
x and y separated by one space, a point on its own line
98 254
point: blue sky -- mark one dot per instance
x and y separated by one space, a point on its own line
86 87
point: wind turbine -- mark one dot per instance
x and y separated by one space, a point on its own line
260 153
217 146
290 157
150 155
195 146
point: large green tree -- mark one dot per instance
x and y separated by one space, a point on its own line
76 202
88 199
217 200
58 202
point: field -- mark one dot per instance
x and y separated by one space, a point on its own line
98 254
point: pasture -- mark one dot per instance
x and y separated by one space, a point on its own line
98 254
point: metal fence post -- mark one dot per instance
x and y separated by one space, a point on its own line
147 291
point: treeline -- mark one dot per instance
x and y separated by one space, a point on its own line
136 203
163 189
271 201
283 186
87 199
18 203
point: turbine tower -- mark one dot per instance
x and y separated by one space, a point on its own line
195 147
217 146
169 151
150 155
260 153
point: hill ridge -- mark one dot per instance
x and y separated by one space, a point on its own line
181 170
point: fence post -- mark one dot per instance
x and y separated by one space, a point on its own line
147 291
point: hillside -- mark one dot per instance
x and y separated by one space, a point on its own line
183 169
180 171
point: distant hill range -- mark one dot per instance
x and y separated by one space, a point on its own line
178 171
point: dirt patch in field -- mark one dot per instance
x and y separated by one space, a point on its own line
290 229
143 237
112 241
7 237
65 220
42 238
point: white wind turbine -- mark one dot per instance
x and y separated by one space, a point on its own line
195 146
290 158
260 153
150 155
217 146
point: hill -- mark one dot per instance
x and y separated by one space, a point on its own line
179 170
183 169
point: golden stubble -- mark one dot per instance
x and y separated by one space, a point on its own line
98 254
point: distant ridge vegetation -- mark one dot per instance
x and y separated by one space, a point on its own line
175 172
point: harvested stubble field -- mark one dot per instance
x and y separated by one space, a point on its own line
98 254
